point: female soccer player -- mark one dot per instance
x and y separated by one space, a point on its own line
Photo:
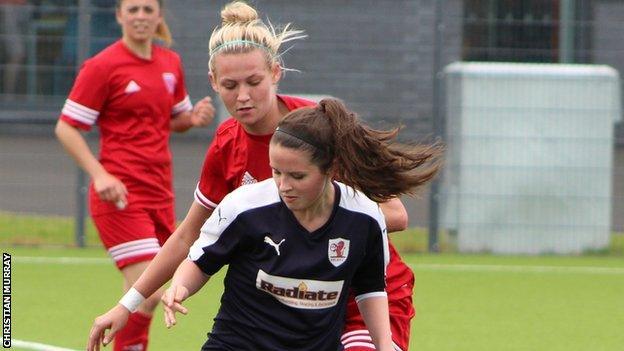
297 243
245 70
134 91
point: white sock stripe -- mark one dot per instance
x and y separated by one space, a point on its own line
134 243
359 344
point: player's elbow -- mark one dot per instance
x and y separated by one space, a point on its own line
62 129
58 129
397 221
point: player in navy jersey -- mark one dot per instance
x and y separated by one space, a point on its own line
134 92
295 245
245 69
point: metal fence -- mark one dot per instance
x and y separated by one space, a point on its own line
385 58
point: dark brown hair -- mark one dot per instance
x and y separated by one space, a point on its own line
362 157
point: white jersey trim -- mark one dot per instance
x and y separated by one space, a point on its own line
203 200
356 201
242 199
80 112
182 106
362 297
361 338
134 248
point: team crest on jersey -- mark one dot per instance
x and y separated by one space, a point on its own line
170 81
338 251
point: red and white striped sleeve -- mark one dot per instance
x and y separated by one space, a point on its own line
88 95
212 186
180 95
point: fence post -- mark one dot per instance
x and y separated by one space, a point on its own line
84 30
437 126
566 31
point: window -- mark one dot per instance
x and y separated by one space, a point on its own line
525 30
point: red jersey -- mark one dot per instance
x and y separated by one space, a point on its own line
132 100
236 158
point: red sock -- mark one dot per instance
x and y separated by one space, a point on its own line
133 337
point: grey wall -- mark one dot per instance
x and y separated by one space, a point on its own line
375 55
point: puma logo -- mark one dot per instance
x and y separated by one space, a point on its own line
220 218
270 241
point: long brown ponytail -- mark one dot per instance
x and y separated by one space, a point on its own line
367 159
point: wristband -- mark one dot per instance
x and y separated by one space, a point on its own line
131 300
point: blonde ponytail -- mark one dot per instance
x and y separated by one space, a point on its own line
163 33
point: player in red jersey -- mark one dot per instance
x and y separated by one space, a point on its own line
244 71
134 91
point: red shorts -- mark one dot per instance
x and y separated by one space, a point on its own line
134 235
401 308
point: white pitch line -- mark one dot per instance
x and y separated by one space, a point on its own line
449 267
61 260
29 345
515 268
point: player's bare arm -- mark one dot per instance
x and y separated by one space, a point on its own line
374 310
107 186
394 214
202 115
159 271
163 266
187 280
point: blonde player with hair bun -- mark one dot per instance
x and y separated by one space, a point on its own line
245 68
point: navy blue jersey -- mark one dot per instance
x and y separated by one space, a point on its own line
287 288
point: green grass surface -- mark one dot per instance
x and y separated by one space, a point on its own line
464 302
33 230
29 230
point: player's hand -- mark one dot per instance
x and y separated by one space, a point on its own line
110 188
114 319
203 112
172 303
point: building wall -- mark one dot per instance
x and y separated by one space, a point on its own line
608 47
375 55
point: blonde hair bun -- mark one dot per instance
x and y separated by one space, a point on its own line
238 12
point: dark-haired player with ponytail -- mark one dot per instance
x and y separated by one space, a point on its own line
297 244
245 69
